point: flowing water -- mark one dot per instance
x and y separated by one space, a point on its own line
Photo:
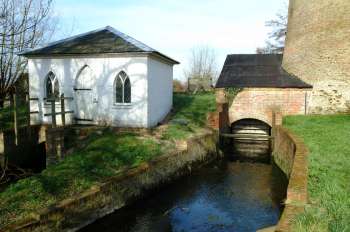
222 196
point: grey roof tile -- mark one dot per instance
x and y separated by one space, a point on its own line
104 40
257 70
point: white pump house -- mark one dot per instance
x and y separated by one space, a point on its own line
113 79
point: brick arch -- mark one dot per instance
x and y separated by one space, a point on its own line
256 117
254 120
250 104
260 103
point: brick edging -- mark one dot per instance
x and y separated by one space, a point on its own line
297 196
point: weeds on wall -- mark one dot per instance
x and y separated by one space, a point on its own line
231 93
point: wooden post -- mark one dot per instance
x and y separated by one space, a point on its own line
28 115
53 112
15 121
63 116
54 145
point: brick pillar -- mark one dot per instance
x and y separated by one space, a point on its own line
224 121
225 144
222 107
54 145
278 118
213 120
276 121
220 96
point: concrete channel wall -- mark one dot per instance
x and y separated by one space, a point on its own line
290 154
78 211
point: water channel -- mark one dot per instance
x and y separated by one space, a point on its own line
222 196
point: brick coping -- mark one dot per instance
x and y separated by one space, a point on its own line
297 187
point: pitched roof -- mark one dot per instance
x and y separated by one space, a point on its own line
100 41
257 70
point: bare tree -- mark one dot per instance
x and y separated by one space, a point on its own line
202 66
277 36
202 63
23 24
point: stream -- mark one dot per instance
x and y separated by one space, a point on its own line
222 196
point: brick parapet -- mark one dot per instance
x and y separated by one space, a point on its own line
290 154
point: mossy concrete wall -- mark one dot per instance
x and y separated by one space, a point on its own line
290 154
318 51
284 150
76 212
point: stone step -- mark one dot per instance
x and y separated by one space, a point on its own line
268 229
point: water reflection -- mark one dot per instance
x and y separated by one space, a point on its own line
225 196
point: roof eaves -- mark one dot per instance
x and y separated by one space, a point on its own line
170 60
222 85
155 53
87 54
306 85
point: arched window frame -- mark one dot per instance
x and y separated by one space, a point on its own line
52 85
122 86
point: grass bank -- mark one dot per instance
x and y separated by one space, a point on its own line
103 156
189 114
327 138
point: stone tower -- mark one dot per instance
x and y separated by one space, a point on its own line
318 52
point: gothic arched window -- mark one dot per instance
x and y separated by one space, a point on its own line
122 87
52 86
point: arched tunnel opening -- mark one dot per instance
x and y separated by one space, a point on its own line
251 139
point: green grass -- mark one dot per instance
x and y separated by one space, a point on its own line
191 109
103 156
328 139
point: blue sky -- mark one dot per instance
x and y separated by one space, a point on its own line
175 26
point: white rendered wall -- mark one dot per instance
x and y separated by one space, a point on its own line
105 70
160 90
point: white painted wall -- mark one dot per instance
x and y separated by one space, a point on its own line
160 90
104 70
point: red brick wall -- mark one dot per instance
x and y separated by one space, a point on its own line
212 120
259 103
